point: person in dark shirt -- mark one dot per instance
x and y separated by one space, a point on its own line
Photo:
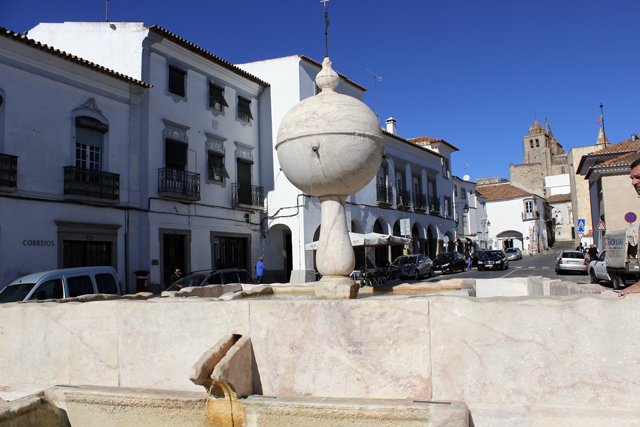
593 252
176 276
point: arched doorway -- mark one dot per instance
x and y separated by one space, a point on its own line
381 257
279 263
509 239
396 250
418 243
449 244
432 241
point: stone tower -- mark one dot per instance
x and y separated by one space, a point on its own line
541 147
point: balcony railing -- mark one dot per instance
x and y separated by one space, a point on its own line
91 183
420 204
179 184
384 194
8 171
530 215
434 205
247 194
403 199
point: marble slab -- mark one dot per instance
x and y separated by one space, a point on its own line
576 351
346 348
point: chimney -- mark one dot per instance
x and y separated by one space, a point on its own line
391 125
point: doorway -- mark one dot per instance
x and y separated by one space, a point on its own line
173 256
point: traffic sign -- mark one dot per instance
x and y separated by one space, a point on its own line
580 236
581 224
601 226
630 217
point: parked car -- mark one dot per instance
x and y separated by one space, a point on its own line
212 277
450 262
64 283
598 269
493 259
414 266
513 254
571 261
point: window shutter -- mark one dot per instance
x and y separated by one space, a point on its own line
244 105
87 136
216 95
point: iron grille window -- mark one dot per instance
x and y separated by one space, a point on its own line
85 254
244 109
216 97
177 80
217 171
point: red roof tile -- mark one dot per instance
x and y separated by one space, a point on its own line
559 198
205 54
621 147
406 141
430 140
501 191
57 52
623 160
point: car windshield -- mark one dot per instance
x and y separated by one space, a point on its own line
15 293
402 260
442 257
578 255
492 253
240 276
188 281
514 250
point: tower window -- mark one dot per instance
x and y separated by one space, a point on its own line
531 141
537 143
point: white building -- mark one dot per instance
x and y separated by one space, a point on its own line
201 139
414 182
70 188
558 191
470 225
516 218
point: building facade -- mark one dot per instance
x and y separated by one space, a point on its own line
202 135
517 218
611 194
470 216
70 190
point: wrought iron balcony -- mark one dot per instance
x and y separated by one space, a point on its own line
403 199
384 195
178 184
434 205
8 171
247 195
530 215
420 203
91 183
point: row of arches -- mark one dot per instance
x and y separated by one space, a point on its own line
424 240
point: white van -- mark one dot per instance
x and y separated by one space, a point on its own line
65 283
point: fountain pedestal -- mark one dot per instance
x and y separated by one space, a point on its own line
330 146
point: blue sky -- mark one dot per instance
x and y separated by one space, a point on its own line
473 72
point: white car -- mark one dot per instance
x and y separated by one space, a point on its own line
598 269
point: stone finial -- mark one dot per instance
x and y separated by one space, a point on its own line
327 79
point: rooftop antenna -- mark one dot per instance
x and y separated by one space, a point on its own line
466 176
326 25
375 85
106 17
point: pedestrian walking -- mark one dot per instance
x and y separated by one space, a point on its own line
260 269
469 259
593 252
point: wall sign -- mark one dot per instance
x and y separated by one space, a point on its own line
38 243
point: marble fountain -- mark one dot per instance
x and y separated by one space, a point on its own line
506 352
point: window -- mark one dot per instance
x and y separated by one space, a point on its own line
216 97
531 141
562 169
463 193
445 168
48 290
176 155
106 284
465 222
244 109
447 207
455 190
528 206
217 171
177 80
537 143
80 285
89 134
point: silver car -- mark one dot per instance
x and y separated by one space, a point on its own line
414 266
573 261
598 269
513 254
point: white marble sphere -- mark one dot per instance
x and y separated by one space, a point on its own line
330 144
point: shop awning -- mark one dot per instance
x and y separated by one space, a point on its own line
370 239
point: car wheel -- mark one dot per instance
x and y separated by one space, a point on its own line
618 282
593 277
416 275
480 268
